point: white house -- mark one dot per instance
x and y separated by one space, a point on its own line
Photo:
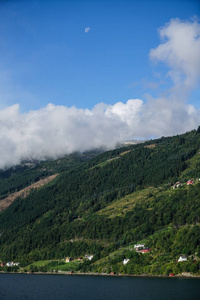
89 257
138 246
182 258
125 261
177 184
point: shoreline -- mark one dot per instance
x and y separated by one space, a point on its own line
183 276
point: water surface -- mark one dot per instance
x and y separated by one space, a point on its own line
58 287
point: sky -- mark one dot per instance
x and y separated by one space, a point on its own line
77 75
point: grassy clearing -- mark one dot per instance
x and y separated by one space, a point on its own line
157 233
193 164
56 265
104 163
73 265
126 204
38 264
125 152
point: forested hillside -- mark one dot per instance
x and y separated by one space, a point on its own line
101 203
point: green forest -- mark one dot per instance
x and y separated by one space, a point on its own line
103 203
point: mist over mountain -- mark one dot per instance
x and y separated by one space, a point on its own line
56 130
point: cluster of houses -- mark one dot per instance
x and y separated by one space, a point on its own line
141 248
138 248
181 258
9 264
179 183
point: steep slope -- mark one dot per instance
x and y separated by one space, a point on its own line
16 178
23 193
116 198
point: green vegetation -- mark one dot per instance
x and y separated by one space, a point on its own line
104 203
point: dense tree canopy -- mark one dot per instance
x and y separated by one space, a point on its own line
64 217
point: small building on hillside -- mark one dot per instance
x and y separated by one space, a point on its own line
190 182
89 257
182 258
125 261
146 250
68 259
112 273
177 185
138 247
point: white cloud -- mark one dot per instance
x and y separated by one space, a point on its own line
180 50
87 29
57 130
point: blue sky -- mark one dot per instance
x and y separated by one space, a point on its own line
78 75
47 56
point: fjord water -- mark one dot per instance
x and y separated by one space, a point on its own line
58 287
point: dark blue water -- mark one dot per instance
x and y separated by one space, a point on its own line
22 286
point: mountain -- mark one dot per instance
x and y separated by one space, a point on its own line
105 203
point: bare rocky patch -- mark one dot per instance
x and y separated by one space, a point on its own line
6 202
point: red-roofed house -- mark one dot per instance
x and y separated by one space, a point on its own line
190 182
146 250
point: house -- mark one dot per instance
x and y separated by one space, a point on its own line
182 258
89 257
138 246
68 259
177 184
3 264
125 261
146 250
190 182
171 274
9 264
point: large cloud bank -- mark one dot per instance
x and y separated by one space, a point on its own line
57 130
